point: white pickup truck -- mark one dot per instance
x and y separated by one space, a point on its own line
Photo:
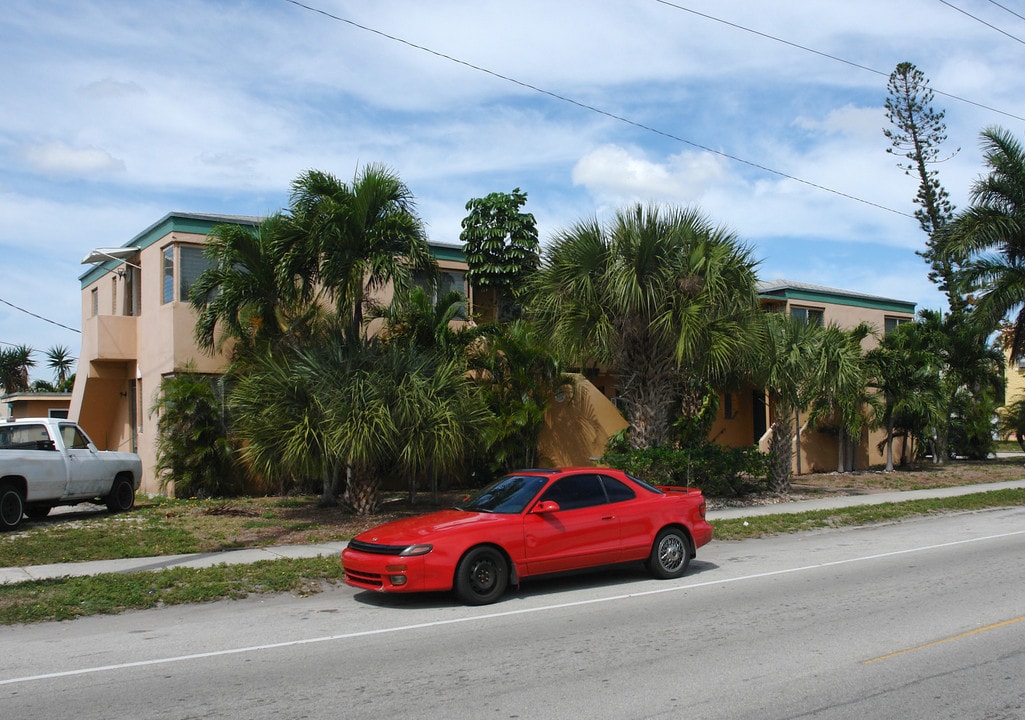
46 462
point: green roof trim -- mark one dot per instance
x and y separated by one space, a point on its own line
202 224
840 298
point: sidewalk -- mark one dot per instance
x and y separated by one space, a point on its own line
249 555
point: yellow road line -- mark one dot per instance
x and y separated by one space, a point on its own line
959 636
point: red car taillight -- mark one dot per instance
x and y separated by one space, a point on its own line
701 509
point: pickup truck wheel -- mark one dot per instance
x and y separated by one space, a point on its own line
122 495
12 507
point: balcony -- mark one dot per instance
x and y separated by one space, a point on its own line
109 337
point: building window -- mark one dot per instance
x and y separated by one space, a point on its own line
808 316
193 263
891 323
447 281
168 275
113 295
94 302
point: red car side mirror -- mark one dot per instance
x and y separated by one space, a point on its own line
546 506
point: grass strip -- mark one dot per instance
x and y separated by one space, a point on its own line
760 526
72 597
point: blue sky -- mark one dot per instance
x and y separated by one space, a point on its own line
117 112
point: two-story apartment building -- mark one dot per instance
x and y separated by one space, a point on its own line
816 449
138 328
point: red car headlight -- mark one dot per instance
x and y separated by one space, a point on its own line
414 550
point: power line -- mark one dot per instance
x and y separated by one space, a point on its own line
1007 9
592 108
980 20
39 317
835 57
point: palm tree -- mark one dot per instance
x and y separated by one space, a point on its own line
907 376
193 452
354 240
661 297
837 385
519 376
788 358
240 293
988 238
364 409
15 363
59 359
429 327
970 370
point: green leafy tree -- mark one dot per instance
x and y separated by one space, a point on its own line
194 455
837 386
664 299
239 295
351 241
916 134
15 363
519 376
428 327
904 370
1011 422
989 239
502 248
334 408
788 359
61 362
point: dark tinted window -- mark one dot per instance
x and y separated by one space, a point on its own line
506 495
576 491
617 490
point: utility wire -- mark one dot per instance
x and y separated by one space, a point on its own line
592 108
980 20
1007 9
834 57
40 317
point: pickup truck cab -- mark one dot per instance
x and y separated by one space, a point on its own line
46 462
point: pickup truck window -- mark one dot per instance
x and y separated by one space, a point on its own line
25 437
74 439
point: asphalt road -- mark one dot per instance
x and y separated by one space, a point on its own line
921 619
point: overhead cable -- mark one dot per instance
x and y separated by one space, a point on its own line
592 108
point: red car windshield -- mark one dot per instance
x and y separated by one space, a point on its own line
510 494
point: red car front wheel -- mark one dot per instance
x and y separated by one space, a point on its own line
482 576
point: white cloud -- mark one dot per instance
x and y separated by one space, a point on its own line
57 158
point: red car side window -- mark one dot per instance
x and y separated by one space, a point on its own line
617 490
576 491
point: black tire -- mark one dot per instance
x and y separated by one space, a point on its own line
670 554
122 495
38 512
482 576
12 507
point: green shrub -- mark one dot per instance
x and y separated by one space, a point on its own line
719 471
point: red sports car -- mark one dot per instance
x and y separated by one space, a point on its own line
532 522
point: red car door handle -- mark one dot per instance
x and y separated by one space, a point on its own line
609 517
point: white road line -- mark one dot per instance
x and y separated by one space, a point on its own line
490 616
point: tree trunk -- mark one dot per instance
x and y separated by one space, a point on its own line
363 492
889 444
781 454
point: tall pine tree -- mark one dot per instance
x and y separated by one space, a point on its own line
916 135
